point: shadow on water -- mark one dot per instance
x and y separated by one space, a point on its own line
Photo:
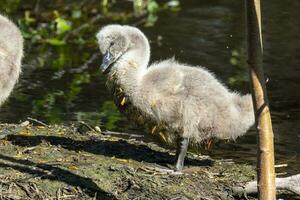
120 149
57 174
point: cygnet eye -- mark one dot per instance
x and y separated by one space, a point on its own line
112 43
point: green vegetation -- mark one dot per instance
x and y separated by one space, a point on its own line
56 26
239 61
53 32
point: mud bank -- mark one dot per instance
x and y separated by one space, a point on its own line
60 162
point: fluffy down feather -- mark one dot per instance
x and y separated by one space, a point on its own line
171 99
11 53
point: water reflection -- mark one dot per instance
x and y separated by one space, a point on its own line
62 83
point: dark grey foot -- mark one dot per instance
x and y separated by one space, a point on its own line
182 147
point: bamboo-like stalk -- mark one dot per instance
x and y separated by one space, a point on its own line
265 165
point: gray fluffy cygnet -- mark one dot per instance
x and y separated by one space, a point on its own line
177 102
11 53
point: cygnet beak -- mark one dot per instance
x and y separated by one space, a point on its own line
107 60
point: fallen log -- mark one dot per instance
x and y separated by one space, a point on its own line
291 184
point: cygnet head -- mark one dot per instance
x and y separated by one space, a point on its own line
117 40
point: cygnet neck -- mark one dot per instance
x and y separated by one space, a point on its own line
131 66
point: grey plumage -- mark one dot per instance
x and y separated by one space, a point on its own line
11 53
175 101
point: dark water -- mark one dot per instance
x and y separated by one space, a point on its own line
57 87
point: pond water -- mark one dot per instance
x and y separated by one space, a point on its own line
59 85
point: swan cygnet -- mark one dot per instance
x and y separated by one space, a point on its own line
11 53
179 103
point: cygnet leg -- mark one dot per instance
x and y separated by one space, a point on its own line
182 147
